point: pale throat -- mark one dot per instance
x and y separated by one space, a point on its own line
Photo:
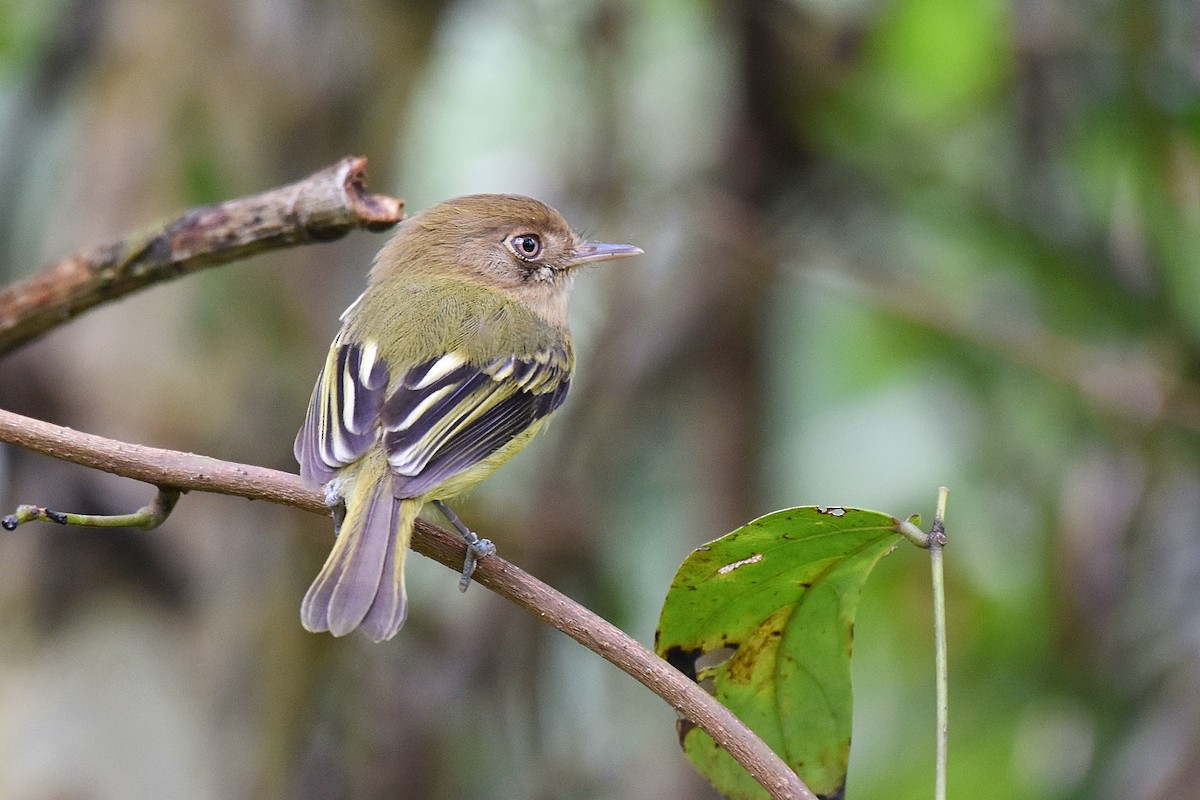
547 299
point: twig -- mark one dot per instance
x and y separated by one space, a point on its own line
189 472
324 206
937 540
148 517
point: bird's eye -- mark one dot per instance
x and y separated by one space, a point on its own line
527 246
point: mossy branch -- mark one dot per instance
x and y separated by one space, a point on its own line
326 205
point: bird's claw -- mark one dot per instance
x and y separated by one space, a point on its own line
477 549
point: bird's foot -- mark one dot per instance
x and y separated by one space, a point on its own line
477 548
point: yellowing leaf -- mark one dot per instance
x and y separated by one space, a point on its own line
764 617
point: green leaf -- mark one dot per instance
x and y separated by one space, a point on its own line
764 618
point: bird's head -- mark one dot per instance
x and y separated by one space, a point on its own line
511 243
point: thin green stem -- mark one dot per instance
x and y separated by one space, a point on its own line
909 530
937 540
147 517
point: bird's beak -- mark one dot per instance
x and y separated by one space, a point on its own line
596 251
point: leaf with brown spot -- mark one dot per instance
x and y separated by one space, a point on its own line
779 596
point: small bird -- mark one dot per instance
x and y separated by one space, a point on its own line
456 354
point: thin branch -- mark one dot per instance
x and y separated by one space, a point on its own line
189 472
148 517
324 206
937 540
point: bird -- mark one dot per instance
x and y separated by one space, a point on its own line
456 354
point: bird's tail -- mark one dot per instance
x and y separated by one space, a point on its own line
362 582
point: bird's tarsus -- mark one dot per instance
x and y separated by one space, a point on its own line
477 548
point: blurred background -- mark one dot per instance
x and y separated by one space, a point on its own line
890 244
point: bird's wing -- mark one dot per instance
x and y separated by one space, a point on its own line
440 418
343 413
447 415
